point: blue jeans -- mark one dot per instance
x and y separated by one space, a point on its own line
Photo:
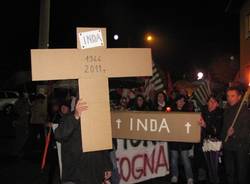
185 160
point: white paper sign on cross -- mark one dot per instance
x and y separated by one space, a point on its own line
91 39
92 67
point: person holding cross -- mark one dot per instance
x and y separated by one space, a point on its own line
79 167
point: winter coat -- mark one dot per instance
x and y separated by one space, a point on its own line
241 137
79 167
214 123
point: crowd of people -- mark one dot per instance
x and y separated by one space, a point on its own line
200 164
229 156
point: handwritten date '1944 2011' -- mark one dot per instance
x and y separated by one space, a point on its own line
93 64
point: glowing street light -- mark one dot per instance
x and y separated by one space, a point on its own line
231 58
149 38
200 75
116 37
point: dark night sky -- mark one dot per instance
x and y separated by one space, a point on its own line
188 33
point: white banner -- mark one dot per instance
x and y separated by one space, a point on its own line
138 160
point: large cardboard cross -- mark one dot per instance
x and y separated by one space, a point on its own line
92 67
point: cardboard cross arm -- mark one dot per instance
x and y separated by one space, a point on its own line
59 64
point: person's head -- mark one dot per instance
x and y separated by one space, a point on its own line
234 95
139 100
161 97
213 103
131 94
124 101
65 107
180 101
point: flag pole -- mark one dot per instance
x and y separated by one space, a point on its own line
46 149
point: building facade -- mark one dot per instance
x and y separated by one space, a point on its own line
245 42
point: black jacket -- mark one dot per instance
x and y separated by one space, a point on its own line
79 167
241 137
214 123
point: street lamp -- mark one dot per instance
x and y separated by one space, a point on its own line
200 75
149 38
231 58
116 37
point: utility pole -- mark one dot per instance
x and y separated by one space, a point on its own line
44 24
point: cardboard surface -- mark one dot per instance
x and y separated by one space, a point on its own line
95 122
92 123
59 64
159 126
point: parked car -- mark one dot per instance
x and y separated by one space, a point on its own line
7 101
